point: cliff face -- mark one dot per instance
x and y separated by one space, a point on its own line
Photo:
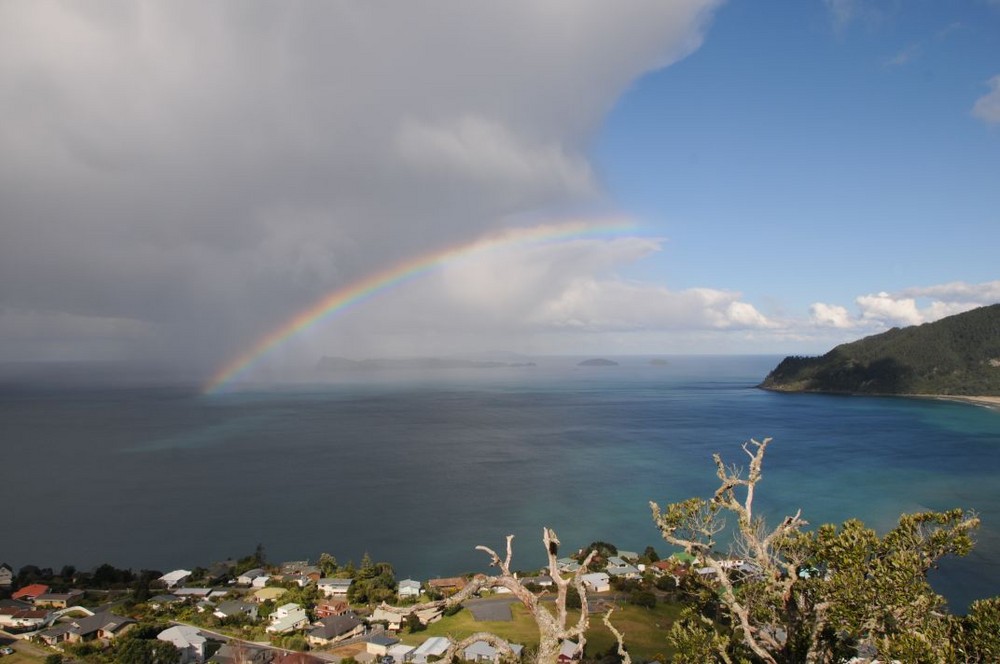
958 355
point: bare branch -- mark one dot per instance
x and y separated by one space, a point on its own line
619 637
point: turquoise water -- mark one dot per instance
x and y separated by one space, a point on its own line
418 469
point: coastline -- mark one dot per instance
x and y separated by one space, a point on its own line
993 403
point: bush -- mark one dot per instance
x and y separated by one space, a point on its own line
642 598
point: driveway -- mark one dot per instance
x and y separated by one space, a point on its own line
492 609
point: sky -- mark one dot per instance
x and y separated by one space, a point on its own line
180 180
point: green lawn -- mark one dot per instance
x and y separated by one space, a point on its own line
644 629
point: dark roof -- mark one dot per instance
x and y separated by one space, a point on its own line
233 607
334 626
107 621
382 640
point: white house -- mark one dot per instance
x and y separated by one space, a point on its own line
287 618
569 651
409 588
597 582
188 640
334 587
619 567
432 647
247 577
480 651
177 577
6 574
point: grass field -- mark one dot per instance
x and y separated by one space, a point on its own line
644 629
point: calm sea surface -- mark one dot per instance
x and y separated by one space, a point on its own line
417 469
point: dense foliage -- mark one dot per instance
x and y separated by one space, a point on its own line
958 355
794 595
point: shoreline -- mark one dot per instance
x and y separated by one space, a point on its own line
993 403
990 402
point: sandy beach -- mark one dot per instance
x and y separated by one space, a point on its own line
988 402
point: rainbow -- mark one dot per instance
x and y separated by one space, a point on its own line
344 297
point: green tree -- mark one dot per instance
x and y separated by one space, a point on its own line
145 651
54 659
413 624
327 564
977 634
820 596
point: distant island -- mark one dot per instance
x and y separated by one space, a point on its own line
955 356
598 362
328 363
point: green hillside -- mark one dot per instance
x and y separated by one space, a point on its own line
958 355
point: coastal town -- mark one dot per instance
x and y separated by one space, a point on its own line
299 612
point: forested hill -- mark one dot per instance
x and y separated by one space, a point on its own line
958 355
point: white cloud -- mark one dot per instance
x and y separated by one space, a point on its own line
885 308
910 306
980 294
987 107
830 315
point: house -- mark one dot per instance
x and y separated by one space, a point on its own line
447 586
163 601
392 619
58 600
287 618
7 614
409 588
175 578
104 625
234 608
247 577
327 608
193 592
380 644
542 581
188 640
400 653
26 619
29 593
480 651
265 594
260 581
334 629
432 647
619 568
567 565
597 582
6 575
334 587
569 651
242 653
630 556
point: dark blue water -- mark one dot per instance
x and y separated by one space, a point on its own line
418 469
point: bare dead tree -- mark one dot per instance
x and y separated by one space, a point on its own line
693 525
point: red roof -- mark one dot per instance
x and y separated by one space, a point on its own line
30 592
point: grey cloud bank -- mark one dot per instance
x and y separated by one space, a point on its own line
178 178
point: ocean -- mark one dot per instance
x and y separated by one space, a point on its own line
417 468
